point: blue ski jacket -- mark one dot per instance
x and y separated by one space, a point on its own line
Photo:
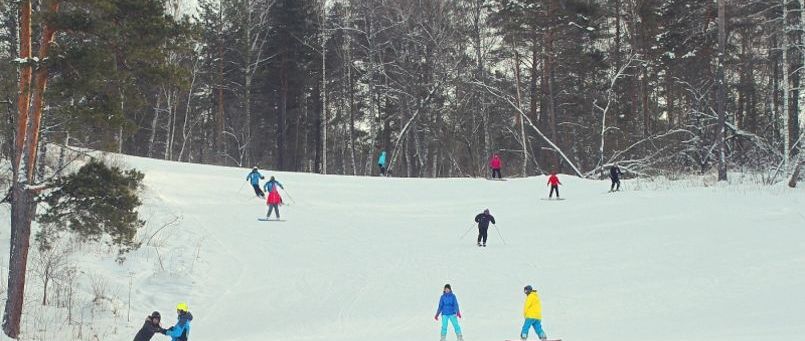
382 159
181 331
254 177
269 186
448 304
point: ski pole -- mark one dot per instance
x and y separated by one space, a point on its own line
468 231
241 187
289 195
499 234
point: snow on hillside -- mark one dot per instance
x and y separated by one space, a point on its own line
366 258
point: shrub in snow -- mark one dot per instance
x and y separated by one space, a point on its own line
96 203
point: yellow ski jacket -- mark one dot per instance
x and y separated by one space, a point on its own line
533 308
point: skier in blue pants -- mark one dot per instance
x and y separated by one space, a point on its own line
532 311
448 309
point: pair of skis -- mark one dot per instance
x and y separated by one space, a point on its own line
267 219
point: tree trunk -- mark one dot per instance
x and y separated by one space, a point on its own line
283 111
795 176
154 122
23 206
26 71
518 117
187 131
45 288
323 99
220 146
785 88
352 106
22 214
721 92
548 81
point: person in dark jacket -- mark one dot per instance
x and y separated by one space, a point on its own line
615 175
150 327
483 220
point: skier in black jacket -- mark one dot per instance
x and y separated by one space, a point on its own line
483 220
615 175
150 327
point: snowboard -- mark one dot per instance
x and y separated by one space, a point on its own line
266 219
550 199
542 340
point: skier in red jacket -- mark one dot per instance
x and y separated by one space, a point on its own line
494 164
274 199
553 181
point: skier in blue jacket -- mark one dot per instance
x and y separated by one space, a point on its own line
254 177
269 186
448 309
381 161
181 331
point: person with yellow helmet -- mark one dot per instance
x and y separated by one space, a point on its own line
532 311
181 331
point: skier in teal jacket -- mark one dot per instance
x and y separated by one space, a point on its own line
381 162
254 178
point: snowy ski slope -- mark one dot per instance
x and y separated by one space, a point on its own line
366 258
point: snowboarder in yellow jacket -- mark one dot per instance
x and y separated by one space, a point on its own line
532 311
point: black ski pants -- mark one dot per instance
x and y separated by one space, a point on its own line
482 232
615 182
258 191
496 171
554 188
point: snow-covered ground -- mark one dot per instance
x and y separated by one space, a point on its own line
366 258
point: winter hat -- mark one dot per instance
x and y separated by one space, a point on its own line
272 178
486 211
528 288
447 286
155 315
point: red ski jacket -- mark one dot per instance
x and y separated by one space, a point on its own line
495 163
274 197
553 180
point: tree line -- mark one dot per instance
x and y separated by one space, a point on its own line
324 86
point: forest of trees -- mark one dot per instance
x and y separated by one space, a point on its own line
324 86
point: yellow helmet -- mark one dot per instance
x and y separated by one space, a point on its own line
182 307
